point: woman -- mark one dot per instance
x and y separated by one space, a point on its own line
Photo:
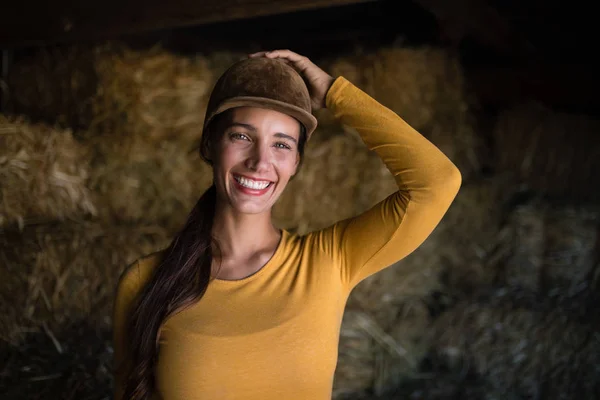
236 308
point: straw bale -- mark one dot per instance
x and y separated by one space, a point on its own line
522 353
55 84
426 87
43 174
553 249
455 257
554 153
373 358
138 181
525 265
471 236
64 272
72 362
153 93
161 95
403 299
111 88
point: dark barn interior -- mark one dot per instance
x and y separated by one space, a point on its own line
100 103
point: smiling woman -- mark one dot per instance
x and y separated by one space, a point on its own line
254 158
236 308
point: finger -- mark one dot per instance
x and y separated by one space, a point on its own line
264 54
300 63
257 54
290 55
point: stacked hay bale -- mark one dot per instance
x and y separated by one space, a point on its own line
55 85
43 174
529 332
554 153
63 272
139 124
56 295
520 352
425 86
508 287
80 205
148 114
403 302
521 321
136 129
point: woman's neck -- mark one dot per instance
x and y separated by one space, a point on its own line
239 235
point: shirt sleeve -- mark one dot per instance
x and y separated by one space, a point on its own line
427 183
123 304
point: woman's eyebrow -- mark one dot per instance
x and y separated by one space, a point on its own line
242 125
285 136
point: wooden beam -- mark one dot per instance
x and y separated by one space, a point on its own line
38 22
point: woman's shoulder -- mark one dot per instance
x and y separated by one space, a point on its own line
137 273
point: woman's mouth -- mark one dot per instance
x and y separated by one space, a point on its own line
251 186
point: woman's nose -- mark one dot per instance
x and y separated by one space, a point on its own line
259 158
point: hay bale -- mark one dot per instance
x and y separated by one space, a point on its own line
43 171
454 258
554 153
54 84
72 362
138 181
571 251
525 264
161 95
469 238
402 301
60 273
553 250
373 358
521 352
110 88
153 93
426 87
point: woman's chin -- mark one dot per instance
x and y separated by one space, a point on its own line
250 204
245 208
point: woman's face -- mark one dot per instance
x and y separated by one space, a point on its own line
255 156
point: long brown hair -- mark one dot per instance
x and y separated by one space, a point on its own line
180 280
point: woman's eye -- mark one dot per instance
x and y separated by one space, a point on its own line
282 146
237 135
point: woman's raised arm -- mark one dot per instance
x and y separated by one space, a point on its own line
427 180
427 184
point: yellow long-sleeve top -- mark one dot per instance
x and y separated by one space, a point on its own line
274 334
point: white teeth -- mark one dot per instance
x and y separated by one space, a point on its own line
251 184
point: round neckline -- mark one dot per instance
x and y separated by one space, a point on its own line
267 266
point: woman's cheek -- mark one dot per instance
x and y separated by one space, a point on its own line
285 162
231 154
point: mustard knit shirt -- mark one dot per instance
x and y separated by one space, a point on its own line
274 334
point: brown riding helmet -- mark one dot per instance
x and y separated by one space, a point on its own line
260 82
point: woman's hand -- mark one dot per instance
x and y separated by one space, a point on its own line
317 80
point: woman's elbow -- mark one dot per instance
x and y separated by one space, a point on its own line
454 179
448 183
